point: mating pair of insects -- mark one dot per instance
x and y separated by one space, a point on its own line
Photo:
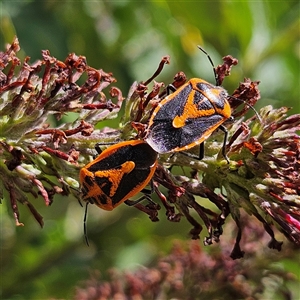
182 120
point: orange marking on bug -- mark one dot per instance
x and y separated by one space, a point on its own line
191 111
115 176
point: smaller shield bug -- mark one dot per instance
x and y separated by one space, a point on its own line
118 173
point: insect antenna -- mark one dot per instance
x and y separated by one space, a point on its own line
218 84
212 63
250 106
84 224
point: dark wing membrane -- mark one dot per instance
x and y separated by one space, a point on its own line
165 138
197 129
161 135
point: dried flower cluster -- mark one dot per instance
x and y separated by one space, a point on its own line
37 158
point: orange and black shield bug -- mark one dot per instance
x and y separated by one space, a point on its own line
188 116
118 173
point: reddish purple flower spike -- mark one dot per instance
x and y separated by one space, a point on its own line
188 272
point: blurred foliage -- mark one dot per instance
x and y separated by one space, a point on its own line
128 39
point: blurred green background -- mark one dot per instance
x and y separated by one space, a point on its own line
129 38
